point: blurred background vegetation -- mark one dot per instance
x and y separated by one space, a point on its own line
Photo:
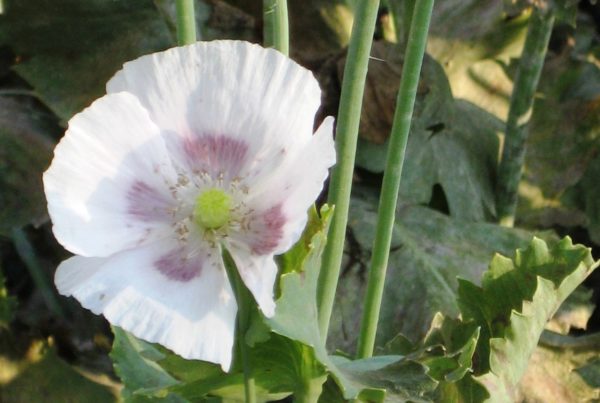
56 56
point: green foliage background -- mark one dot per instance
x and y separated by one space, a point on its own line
451 329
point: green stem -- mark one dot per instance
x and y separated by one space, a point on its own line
355 73
244 300
519 114
186 22
275 21
40 279
407 93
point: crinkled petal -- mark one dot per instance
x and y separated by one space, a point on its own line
108 184
280 203
253 101
186 305
258 273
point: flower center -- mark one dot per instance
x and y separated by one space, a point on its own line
213 209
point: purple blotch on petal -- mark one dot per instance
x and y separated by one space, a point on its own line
215 154
144 203
268 228
176 266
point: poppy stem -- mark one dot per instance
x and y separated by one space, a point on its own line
186 22
276 28
521 106
244 300
409 82
353 85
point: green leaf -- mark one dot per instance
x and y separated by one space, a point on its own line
472 40
429 250
135 363
389 378
452 143
514 303
25 152
69 49
363 378
293 260
280 366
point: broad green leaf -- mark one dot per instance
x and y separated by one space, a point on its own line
514 303
458 342
472 40
398 379
452 143
280 366
363 378
429 250
135 363
69 48
25 152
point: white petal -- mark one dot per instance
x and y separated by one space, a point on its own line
229 89
192 315
258 273
280 203
107 186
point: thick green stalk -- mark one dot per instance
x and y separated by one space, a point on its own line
186 22
407 93
275 21
244 300
521 106
355 73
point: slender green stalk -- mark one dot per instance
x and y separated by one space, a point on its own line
186 22
407 93
519 114
40 279
244 300
355 73
276 30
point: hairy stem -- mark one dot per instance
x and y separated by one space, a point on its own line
276 30
355 73
186 22
519 114
407 93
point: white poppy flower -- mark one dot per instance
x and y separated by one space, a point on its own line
192 148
